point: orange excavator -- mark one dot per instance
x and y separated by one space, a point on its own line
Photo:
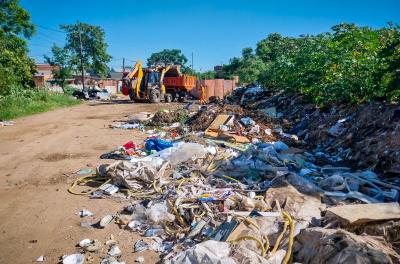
161 83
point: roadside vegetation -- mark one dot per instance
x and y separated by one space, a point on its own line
23 102
18 96
349 64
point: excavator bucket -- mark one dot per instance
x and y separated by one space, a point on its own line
173 71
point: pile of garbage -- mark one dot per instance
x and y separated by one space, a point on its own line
221 186
166 117
92 94
364 136
6 123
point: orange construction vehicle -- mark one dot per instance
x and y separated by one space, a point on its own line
162 83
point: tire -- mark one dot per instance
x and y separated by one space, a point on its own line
168 98
181 99
132 94
154 96
173 94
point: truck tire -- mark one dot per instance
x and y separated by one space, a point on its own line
132 94
168 98
173 93
154 96
181 99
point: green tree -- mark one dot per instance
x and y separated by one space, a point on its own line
94 48
16 68
349 64
249 67
207 75
167 56
60 61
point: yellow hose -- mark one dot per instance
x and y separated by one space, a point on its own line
86 180
199 215
266 244
178 216
278 240
260 244
249 221
155 187
172 232
180 183
230 178
288 254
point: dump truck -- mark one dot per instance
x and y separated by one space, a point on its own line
155 84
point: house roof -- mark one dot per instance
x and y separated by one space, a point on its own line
115 75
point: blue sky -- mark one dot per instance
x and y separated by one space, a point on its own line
214 30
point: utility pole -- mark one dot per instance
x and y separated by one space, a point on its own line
192 61
81 57
123 64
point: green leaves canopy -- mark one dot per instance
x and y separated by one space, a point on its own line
16 68
167 56
350 64
61 65
94 47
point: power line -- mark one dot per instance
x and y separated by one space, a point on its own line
39 54
116 60
48 37
46 40
39 45
50 29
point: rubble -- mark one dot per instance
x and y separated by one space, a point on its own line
165 117
346 132
230 185
6 123
319 245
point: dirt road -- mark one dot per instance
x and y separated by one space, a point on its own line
38 158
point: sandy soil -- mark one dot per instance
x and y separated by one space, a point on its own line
38 158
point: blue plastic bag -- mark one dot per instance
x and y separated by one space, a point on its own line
157 144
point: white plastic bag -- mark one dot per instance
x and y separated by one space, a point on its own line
208 252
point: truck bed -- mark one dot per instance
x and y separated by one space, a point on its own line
185 82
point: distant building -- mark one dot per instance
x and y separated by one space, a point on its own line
44 73
44 77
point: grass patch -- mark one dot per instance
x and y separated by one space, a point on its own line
32 102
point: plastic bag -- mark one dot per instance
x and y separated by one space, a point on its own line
280 146
129 145
206 252
182 152
157 144
130 174
158 213
247 121
74 259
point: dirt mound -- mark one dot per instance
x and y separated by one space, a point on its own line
164 117
61 156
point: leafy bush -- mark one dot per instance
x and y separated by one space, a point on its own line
350 64
69 90
21 102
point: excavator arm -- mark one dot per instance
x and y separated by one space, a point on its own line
162 78
136 72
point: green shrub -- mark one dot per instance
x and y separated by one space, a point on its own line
69 90
21 102
349 64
